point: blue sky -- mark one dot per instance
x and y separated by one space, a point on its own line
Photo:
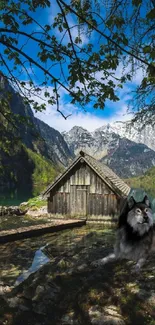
90 118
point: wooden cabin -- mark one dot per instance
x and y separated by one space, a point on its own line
86 188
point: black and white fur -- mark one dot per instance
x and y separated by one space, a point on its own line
134 238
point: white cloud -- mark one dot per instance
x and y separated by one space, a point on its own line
138 73
87 120
75 33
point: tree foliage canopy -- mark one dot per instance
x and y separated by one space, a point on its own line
118 32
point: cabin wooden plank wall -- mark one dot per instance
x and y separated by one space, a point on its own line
82 192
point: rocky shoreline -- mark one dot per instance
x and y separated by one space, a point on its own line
20 211
25 208
12 210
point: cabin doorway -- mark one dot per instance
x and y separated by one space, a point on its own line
78 200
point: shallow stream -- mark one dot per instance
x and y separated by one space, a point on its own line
21 258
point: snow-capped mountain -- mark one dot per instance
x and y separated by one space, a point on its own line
78 138
129 158
127 149
96 144
134 132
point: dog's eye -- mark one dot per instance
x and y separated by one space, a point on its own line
138 210
146 210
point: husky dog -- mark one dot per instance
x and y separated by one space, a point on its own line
134 238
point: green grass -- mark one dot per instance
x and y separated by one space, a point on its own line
36 202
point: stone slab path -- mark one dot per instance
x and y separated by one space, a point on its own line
37 230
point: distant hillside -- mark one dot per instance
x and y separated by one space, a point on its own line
25 170
146 181
56 148
31 152
35 134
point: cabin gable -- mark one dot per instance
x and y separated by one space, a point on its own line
82 192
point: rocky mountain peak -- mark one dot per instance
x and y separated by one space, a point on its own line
78 139
130 159
135 132
124 147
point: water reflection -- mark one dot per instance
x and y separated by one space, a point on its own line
17 196
14 196
39 260
20 259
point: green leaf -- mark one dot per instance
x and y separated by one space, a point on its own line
151 14
147 49
152 54
125 40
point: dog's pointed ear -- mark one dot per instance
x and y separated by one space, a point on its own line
131 202
146 201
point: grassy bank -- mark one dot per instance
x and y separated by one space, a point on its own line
36 202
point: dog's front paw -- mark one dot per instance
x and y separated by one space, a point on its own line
135 269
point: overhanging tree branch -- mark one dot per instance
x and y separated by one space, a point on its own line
107 37
57 102
36 64
85 71
29 36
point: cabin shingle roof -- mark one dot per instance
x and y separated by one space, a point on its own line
103 171
109 176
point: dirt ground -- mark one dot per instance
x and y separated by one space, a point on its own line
68 290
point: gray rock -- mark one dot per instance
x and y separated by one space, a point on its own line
108 320
4 289
108 316
14 302
23 204
11 210
69 320
151 300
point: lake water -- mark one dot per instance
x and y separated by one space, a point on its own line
14 197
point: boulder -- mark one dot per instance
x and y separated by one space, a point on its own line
109 316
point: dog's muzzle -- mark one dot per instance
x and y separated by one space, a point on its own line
145 220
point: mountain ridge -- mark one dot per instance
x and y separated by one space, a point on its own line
110 146
133 131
